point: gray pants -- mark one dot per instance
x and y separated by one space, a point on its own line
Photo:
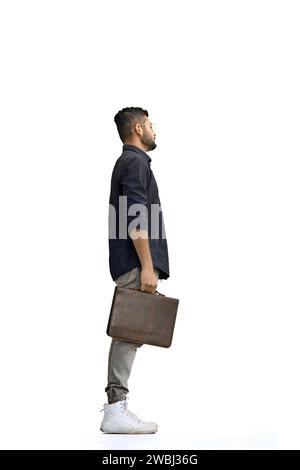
122 353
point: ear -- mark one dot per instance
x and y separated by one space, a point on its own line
138 128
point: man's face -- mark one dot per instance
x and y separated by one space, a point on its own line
149 135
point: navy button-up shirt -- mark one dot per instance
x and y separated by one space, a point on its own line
132 176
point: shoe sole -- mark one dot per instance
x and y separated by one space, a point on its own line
133 432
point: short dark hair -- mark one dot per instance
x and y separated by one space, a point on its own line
126 118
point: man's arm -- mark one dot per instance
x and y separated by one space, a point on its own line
134 183
141 244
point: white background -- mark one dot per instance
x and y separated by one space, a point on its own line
220 80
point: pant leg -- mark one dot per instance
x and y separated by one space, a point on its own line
122 353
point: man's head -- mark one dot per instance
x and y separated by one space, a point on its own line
134 127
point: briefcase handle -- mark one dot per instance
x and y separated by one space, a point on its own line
156 292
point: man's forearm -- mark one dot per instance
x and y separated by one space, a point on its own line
141 244
148 276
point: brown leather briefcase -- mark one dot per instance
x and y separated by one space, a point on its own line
142 317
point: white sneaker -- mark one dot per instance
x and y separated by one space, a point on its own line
119 420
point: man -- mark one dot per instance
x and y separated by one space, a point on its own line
138 252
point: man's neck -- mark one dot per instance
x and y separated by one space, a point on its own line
137 144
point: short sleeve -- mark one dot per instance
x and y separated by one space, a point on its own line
135 181
134 184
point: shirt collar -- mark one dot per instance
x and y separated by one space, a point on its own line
137 150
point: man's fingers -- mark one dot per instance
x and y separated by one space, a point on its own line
149 288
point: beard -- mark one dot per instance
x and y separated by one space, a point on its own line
148 141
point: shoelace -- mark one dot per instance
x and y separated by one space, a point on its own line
126 398
127 412
131 415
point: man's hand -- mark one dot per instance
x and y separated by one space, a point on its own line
149 280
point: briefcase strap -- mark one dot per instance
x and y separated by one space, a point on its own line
156 292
